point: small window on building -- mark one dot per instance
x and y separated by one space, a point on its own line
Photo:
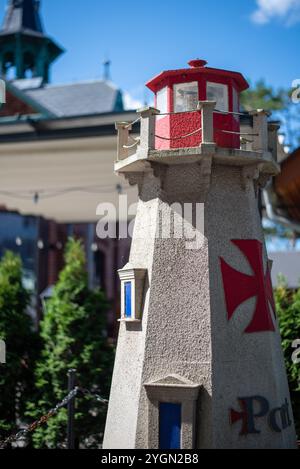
132 291
186 97
169 426
219 93
162 101
128 299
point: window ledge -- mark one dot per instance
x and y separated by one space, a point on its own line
137 321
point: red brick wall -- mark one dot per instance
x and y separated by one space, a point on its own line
15 107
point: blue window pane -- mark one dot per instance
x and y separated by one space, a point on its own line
27 229
128 300
169 426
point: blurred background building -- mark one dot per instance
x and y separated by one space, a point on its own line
283 209
57 148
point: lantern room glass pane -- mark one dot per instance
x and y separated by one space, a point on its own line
186 97
162 100
219 93
128 299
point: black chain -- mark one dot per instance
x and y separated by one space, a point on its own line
43 420
93 395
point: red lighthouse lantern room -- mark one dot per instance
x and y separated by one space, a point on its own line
177 94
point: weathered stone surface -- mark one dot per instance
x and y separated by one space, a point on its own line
185 331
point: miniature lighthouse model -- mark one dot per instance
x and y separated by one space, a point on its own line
199 362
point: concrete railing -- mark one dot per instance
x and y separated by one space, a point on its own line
260 130
123 129
264 136
207 109
127 145
148 124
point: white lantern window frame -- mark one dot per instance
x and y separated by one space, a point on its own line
136 278
162 102
225 89
185 88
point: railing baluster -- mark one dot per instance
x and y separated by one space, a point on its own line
148 122
123 129
207 120
260 130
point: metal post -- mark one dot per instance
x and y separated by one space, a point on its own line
71 410
2 352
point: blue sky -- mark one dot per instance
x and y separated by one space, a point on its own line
257 37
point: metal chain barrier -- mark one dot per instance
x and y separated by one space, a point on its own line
43 420
93 395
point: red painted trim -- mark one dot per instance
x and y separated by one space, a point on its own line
192 74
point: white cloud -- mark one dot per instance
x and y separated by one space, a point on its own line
131 103
137 98
287 11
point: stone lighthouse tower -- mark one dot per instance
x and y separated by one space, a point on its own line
199 361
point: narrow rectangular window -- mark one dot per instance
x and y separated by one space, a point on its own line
128 299
169 426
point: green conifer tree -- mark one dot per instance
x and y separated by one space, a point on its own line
16 376
73 331
288 310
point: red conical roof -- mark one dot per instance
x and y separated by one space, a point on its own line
197 67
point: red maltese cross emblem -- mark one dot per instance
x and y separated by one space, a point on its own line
240 287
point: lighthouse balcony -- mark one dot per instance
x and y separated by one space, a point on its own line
186 137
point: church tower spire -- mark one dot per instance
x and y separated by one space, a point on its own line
25 49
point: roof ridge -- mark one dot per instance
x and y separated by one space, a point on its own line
83 82
81 98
